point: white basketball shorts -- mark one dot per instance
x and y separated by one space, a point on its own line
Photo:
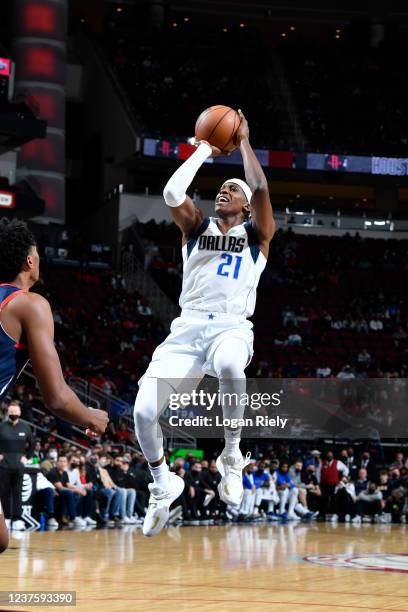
188 351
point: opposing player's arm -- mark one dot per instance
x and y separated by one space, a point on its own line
261 207
4 534
37 322
185 214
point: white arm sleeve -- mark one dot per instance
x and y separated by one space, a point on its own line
175 191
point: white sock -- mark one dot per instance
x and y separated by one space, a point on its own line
160 475
232 446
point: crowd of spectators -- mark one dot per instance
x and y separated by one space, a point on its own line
176 73
105 486
326 305
350 96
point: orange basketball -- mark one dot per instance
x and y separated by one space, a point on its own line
218 125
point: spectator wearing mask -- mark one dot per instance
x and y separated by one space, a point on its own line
110 491
345 497
384 484
361 483
332 470
210 479
86 502
296 473
16 446
314 459
50 460
313 491
288 495
395 504
369 502
368 464
68 494
194 492
131 483
120 479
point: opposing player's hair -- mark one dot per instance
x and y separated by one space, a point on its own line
16 241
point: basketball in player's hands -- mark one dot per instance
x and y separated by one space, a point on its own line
218 126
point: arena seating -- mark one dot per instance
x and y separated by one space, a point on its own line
340 94
162 81
358 280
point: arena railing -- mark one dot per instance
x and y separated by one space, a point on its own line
118 408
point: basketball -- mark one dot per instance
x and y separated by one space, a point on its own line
218 126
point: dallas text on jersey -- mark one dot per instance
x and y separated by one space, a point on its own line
221 243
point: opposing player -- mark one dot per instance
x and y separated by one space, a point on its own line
27 330
223 260
4 535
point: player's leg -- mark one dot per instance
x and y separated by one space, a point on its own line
152 399
229 361
4 534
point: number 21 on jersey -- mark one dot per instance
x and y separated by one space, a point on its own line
230 267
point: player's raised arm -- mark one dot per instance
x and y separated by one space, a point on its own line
38 325
183 210
261 208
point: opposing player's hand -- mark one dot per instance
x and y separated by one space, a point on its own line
242 132
216 152
98 422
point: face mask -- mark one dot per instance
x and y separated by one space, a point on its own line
13 417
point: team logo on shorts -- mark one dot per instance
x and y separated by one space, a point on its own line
381 562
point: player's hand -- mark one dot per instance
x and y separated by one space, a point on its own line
216 152
242 132
98 422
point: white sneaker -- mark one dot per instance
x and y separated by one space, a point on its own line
89 520
293 517
334 518
160 501
79 522
127 520
8 523
230 488
356 520
18 525
52 522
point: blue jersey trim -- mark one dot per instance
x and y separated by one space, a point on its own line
195 235
253 241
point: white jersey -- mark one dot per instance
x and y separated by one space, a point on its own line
221 272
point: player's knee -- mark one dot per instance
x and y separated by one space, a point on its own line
145 417
230 370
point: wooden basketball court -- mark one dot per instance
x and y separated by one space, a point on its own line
237 568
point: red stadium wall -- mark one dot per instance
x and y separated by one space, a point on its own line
40 55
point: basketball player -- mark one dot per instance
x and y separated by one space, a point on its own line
4 535
27 329
223 260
